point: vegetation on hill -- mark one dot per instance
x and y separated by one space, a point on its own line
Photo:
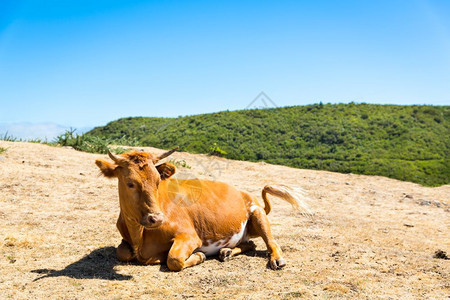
92 143
404 142
80 142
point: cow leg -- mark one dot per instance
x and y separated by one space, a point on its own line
124 252
226 253
260 227
156 259
181 253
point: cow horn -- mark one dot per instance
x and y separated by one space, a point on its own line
114 157
165 154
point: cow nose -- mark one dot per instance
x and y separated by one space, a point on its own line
153 220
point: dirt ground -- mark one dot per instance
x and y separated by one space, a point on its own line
368 237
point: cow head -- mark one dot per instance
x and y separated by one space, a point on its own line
139 178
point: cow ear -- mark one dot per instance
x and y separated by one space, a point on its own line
166 170
108 169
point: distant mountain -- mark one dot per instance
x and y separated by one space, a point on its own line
405 142
33 131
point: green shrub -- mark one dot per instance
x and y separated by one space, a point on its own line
8 138
91 143
215 150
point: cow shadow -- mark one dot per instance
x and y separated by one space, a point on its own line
99 264
257 253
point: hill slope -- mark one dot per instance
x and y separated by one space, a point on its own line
370 237
405 142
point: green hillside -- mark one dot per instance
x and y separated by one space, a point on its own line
409 143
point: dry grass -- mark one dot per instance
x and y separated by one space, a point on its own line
370 237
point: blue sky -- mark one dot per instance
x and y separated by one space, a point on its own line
85 63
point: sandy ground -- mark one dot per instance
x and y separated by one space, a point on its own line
369 237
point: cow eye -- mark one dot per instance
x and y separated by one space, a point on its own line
130 185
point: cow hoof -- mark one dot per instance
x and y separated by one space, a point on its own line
277 264
202 256
225 254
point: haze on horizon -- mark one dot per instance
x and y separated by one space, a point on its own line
85 63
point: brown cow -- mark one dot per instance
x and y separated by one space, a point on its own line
218 220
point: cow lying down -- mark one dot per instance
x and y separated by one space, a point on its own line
156 229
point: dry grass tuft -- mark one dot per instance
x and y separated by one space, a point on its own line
10 241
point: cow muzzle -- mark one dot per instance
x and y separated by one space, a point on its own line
152 220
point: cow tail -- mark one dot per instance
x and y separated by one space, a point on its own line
296 197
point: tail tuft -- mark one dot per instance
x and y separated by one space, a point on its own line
295 196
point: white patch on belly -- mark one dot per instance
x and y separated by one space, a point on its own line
214 247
